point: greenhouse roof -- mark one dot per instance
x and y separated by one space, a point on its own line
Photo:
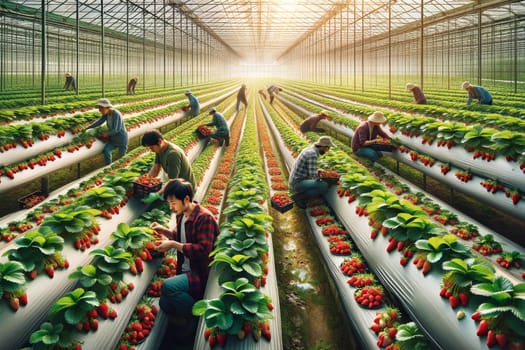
266 29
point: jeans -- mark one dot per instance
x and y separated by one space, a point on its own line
122 144
369 152
311 188
175 297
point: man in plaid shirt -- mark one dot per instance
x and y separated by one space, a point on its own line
193 240
304 177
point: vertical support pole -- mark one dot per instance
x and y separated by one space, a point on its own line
362 45
77 38
44 53
479 49
422 44
390 50
102 39
144 44
127 47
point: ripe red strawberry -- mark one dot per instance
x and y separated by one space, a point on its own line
392 332
103 310
23 299
139 264
491 338
50 271
483 328
454 301
14 303
391 245
426 267
476 316
502 340
463 299
221 339
212 341
207 333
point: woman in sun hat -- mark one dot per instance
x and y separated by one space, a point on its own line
310 123
419 97
117 133
477 93
368 135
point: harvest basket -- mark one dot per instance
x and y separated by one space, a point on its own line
282 208
31 200
141 190
330 180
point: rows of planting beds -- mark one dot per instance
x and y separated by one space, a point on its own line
450 268
424 143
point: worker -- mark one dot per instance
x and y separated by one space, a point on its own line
477 93
310 123
169 157
272 91
131 85
222 133
241 98
419 97
117 133
304 177
194 108
70 82
369 139
193 239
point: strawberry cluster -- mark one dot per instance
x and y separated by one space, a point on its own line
370 297
353 265
385 326
139 326
361 280
341 247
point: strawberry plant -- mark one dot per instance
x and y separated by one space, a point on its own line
12 284
52 336
486 245
442 247
73 307
460 276
409 336
104 198
503 312
39 251
509 144
510 259
78 222
465 230
136 240
240 304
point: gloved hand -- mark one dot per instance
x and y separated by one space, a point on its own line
152 197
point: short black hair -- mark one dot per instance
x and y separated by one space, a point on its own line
151 138
179 188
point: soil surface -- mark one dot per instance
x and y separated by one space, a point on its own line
311 315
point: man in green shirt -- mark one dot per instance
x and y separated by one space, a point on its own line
222 134
168 157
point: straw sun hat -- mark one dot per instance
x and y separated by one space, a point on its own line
377 117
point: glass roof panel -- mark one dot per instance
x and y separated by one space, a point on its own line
265 29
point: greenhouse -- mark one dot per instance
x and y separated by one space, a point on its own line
262 174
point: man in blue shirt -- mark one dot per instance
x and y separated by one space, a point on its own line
222 133
194 106
304 177
477 92
117 133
